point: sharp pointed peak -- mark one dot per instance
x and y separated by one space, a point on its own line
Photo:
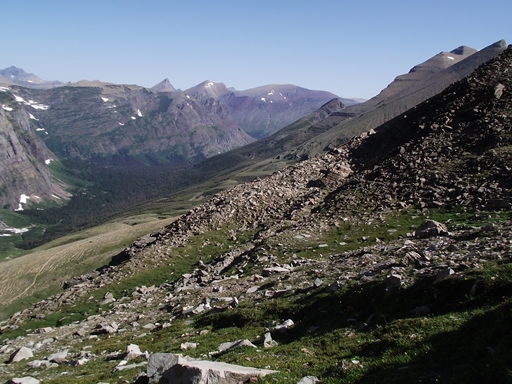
164 86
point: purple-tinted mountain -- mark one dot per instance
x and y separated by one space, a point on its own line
17 76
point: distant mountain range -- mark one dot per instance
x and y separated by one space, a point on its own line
17 76
121 125
259 111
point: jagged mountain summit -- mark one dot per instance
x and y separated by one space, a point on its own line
333 265
163 86
17 76
265 110
207 89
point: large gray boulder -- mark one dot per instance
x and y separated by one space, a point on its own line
431 228
167 368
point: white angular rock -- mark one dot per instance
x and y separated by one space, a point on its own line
309 380
188 345
252 289
24 380
39 363
133 351
21 354
284 326
234 344
58 357
267 341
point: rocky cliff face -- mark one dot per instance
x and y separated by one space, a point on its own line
93 119
265 110
23 164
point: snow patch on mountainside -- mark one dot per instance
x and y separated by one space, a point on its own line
23 200
31 103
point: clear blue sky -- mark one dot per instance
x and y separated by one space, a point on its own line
351 48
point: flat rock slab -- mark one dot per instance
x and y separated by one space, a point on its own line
234 344
182 370
24 380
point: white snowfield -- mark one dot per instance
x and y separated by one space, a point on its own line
8 109
104 99
16 231
31 103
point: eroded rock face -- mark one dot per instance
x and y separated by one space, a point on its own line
22 158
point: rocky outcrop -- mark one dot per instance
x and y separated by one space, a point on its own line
24 157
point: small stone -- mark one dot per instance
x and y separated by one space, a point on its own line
267 341
395 280
498 90
309 380
444 274
284 326
266 272
252 289
234 344
333 287
58 357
